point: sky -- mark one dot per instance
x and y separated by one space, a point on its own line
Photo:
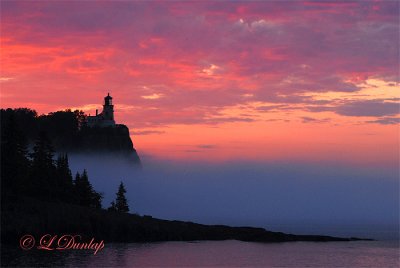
278 114
303 81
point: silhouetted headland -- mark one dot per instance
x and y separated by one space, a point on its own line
70 132
38 218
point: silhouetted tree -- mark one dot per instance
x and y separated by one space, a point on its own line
112 206
62 127
25 119
96 199
83 189
67 131
121 204
80 117
14 161
64 179
39 175
85 194
42 182
43 152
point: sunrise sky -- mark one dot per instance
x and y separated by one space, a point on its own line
283 81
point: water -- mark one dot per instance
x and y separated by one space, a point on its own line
229 253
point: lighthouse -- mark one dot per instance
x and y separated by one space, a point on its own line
108 108
106 117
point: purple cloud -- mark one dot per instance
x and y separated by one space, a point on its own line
375 108
386 121
273 50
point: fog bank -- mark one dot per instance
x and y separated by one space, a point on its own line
290 197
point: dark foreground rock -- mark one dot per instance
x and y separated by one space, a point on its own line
29 216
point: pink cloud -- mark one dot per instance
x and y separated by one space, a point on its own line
69 54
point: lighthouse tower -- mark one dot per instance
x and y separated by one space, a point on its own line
106 117
108 108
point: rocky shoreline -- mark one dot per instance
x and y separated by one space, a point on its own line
34 217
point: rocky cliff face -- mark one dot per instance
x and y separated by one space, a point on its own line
114 140
68 132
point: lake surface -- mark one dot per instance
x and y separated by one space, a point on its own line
229 253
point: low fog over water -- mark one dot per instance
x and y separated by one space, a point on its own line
289 197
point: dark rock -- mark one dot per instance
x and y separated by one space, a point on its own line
38 218
115 140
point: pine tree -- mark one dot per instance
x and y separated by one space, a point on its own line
121 204
76 191
64 179
85 194
112 206
14 161
43 152
96 199
80 118
83 189
42 181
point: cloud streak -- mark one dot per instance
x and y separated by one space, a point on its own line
204 63
371 108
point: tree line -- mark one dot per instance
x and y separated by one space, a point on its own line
37 174
61 127
68 131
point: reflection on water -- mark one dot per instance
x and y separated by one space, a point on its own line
215 253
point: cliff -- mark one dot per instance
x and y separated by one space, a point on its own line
68 132
108 139
114 140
